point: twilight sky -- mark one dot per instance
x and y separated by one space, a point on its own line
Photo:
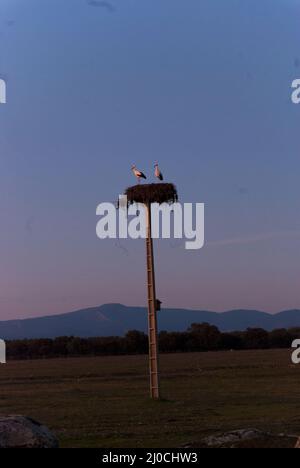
202 86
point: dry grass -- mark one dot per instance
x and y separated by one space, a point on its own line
103 402
152 193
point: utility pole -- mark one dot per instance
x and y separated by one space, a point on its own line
147 194
152 306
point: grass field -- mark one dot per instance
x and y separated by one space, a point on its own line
103 402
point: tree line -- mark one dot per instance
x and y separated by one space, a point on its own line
198 337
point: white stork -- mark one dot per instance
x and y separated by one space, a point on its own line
138 174
158 173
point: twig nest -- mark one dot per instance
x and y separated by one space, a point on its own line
152 193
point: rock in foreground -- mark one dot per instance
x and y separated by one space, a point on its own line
23 432
247 438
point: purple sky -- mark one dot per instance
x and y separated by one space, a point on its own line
201 86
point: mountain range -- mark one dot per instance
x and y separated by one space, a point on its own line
117 319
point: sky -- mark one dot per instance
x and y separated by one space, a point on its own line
203 87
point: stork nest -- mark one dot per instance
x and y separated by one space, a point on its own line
152 193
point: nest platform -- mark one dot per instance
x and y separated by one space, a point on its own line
152 193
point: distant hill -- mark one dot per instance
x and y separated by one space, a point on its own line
117 319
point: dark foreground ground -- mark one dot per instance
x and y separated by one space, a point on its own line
103 402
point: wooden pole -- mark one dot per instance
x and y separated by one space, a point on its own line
152 319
